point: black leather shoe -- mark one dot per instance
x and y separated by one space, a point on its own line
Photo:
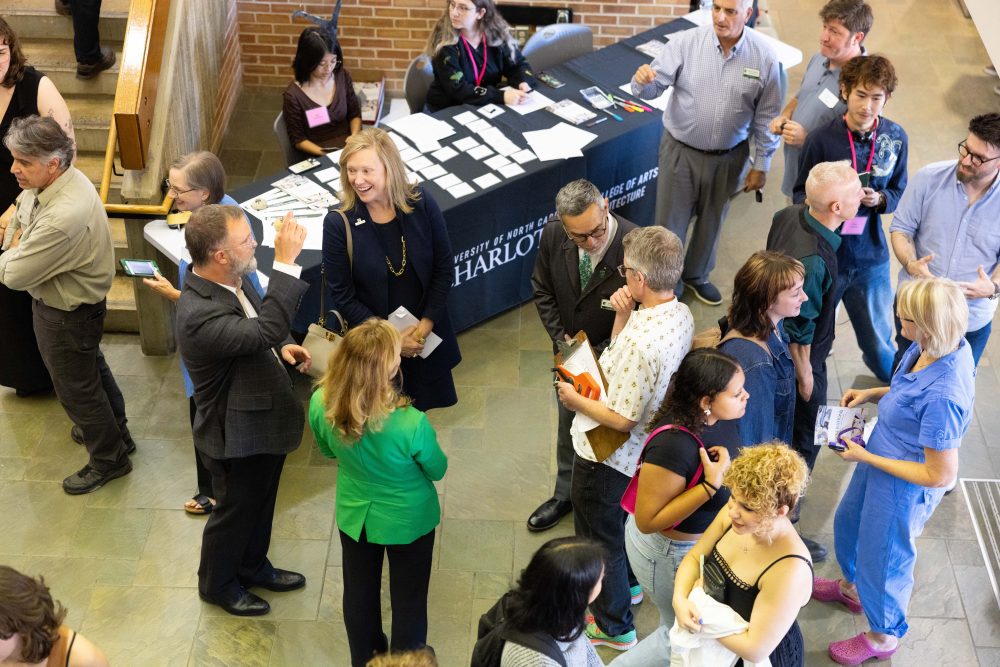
244 604
548 514
87 479
816 550
90 70
278 581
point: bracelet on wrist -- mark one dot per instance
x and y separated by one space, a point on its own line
707 490
710 485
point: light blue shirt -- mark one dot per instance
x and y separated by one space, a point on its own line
934 211
718 101
931 408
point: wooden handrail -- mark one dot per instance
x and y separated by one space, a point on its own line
125 209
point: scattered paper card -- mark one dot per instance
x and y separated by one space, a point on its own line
408 153
403 319
427 145
420 126
479 152
651 48
328 175
496 162
447 181
419 162
511 170
433 171
444 154
466 117
486 181
398 140
490 110
467 143
523 156
460 190
478 125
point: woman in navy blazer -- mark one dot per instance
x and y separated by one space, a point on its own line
401 257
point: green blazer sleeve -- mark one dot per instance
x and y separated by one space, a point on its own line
427 452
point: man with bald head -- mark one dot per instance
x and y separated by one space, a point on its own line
808 232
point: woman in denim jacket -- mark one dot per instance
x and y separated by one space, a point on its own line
767 289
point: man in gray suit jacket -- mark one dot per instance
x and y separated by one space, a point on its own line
585 241
247 417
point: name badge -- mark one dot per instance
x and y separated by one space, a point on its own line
751 73
317 116
828 98
606 304
854 226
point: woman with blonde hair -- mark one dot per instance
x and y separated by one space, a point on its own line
388 247
754 560
389 459
472 49
905 468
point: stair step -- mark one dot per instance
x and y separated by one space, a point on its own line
91 121
122 316
38 18
56 55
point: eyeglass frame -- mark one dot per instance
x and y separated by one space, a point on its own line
250 240
974 158
623 270
177 193
597 234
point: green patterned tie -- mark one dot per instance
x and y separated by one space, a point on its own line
586 270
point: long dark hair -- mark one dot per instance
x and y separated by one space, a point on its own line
27 608
703 373
553 592
313 46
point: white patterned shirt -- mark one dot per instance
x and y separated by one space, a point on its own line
638 365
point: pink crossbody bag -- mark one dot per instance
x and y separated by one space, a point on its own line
632 490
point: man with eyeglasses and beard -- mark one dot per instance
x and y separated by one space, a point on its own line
247 417
574 278
948 225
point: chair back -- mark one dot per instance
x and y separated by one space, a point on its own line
417 82
555 44
292 154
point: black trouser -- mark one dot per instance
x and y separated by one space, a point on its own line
409 577
238 532
69 342
804 425
86 33
204 476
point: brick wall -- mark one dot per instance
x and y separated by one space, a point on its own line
387 34
230 79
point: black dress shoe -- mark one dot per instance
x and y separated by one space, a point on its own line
244 604
278 581
816 550
88 479
548 514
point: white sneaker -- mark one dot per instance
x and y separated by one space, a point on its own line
990 70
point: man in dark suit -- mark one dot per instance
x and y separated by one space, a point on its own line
247 416
574 279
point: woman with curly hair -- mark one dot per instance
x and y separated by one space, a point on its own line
680 485
389 459
472 49
31 629
755 562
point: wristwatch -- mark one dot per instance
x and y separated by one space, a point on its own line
996 291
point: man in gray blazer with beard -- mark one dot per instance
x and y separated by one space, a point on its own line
247 416
576 272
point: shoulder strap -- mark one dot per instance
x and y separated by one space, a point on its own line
656 431
539 642
69 649
778 560
322 279
350 238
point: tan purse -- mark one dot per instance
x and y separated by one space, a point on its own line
320 341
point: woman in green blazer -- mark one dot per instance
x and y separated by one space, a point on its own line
389 458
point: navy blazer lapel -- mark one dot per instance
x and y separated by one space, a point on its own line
571 256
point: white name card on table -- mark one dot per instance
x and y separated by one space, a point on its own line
433 171
496 162
444 154
490 110
466 117
511 170
403 319
447 181
532 102
465 144
421 127
486 180
480 151
461 190
560 142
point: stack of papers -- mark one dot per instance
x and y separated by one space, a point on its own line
422 129
571 111
533 102
560 142
306 191
271 206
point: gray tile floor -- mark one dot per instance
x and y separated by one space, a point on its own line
123 559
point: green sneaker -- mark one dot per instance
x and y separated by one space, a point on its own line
636 593
622 642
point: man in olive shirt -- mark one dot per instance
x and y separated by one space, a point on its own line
58 248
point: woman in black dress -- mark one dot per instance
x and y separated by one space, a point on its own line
23 92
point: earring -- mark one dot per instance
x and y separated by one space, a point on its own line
707 412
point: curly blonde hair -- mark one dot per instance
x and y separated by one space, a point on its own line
417 658
767 477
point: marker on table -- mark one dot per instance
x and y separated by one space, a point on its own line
596 122
638 104
612 114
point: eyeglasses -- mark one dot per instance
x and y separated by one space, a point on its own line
976 160
622 269
582 238
248 241
329 64
461 9
171 188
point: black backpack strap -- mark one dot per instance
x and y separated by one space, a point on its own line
539 642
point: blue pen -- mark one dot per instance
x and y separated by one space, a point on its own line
612 114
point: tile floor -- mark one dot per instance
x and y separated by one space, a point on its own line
123 559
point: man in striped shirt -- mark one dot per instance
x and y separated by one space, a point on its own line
725 82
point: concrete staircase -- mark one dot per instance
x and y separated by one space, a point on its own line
47 42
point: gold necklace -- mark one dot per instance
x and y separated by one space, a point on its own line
402 265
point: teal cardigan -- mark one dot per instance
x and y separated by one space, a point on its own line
385 479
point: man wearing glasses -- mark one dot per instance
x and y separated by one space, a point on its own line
946 225
574 278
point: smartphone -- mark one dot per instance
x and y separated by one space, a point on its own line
866 178
550 80
140 268
304 166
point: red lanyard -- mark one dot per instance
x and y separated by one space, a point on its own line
475 69
871 154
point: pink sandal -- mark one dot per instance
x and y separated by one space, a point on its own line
856 650
828 590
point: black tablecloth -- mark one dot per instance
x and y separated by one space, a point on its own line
494 232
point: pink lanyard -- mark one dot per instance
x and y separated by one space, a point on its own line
871 154
475 69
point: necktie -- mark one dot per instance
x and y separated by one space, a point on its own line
586 269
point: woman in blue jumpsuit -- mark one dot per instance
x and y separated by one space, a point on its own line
911 457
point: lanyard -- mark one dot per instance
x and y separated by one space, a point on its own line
475 69
871 153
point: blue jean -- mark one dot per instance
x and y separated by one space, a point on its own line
654 559
874 536
596 493
867 295
977 340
